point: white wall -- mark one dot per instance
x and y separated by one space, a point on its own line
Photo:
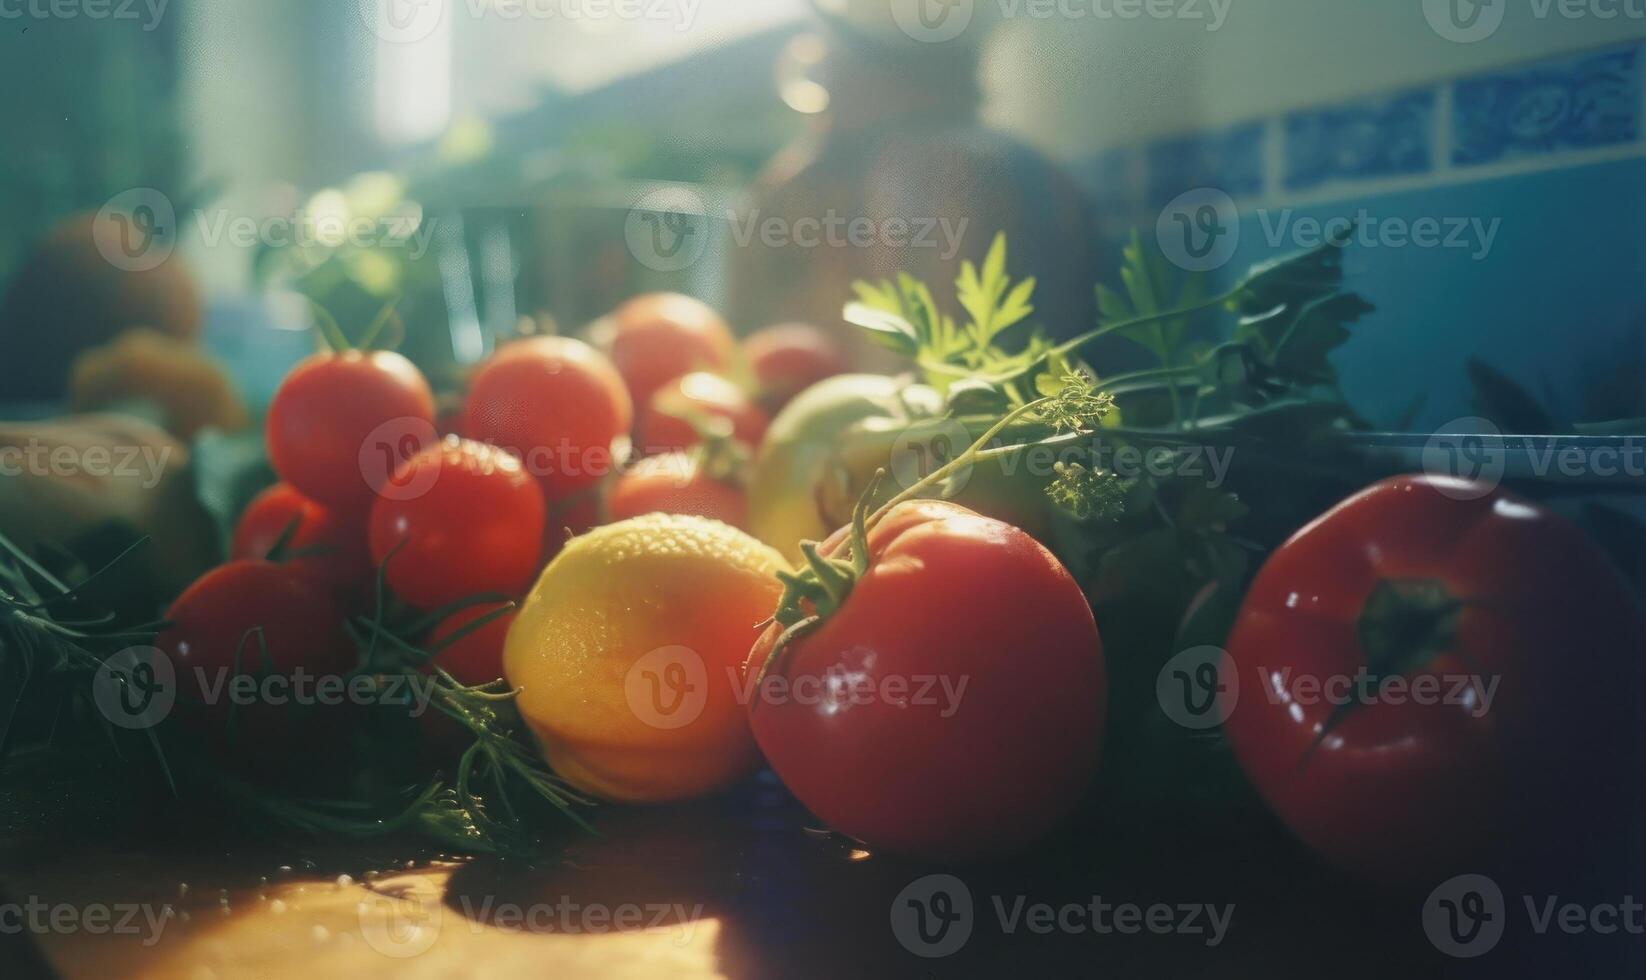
1074 85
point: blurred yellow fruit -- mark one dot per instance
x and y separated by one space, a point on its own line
627 656
190 390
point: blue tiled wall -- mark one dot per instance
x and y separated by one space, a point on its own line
1551 155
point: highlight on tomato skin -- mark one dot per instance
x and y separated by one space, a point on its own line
458 520
949 602
1430 579
559 405
331 409
678 483
677 412
658 337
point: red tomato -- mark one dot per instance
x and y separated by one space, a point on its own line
1510 617
325 545
666 426
866 720
660 336
676 483
555 402
789 358
341 423
476 658
234 617
466 519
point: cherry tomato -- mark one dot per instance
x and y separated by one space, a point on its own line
464 519
258 619
341 422
476 657
660 336
666 425
678 483
558 404
324 544
952 707
789 358
1427 673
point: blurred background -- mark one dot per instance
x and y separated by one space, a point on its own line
493 160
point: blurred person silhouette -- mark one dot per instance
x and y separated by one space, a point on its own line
896 145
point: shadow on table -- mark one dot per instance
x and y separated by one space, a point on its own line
794 901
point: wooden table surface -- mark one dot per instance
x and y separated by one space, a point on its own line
739 887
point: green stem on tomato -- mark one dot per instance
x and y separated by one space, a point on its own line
964 459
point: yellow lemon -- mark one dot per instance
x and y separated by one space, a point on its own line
627 656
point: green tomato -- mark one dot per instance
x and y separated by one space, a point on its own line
794 458
1012 490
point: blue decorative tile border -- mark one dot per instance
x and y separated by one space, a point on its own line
1231 158
1551 113
1575 104
1390 137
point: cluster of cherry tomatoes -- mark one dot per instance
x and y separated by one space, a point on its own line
553 437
